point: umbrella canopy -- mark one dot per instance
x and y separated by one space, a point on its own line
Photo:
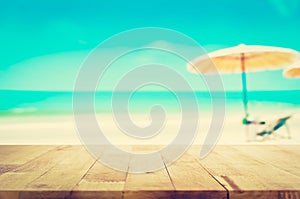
242 59
257 58
293 72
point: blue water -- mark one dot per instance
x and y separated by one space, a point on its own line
42 102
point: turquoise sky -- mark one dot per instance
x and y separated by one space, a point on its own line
42 43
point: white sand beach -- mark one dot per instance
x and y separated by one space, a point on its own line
61 129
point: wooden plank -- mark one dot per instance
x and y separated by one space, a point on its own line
283 157
220 169
104 181
14 154
145 148
191 180
7 167
36 194
69 171
100 182
293 150
148 185
65 174
115 159
18 178
246 177
6 150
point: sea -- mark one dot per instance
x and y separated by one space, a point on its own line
22 103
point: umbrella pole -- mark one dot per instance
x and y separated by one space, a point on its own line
244 84
245 99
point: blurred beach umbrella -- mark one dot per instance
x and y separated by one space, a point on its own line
242 59
292 72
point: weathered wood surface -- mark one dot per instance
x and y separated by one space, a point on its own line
248 171
227 172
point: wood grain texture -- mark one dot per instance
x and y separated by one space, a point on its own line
100 182
191 180
148 185
227 172
69 171
284 158
12 157
18 178
21 154
245 176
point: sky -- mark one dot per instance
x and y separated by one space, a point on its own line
43 43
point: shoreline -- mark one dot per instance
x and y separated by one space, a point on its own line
54 129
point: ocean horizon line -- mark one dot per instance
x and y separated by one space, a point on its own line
146 91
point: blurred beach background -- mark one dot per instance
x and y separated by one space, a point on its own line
39 117
43 45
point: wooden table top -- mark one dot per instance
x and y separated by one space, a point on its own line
261 171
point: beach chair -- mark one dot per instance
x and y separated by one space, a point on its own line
250 124
246 121
270 130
